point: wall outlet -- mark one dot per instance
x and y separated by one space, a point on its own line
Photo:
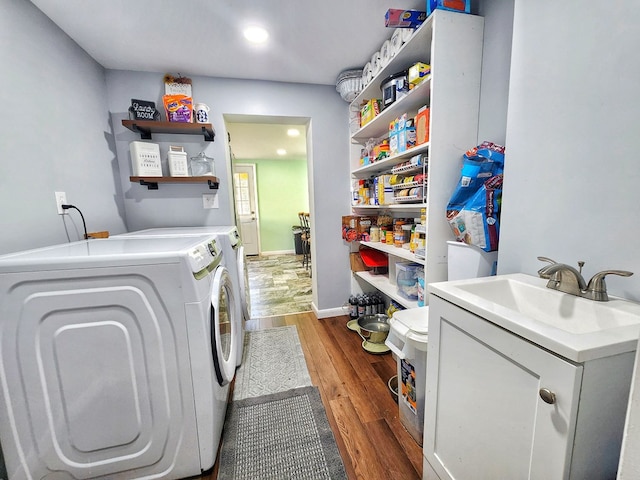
61 199
210 200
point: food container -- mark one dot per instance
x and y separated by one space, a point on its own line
406 235
177 160
374 328
201 165
407 280
394 88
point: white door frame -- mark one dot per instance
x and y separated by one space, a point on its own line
253 198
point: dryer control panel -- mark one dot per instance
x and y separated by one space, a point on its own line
204 258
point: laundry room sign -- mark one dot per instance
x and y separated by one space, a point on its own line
143 110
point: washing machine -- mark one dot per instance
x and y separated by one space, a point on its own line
233 258
115 358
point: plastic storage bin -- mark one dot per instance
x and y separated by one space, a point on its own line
469 261
407 339
407 279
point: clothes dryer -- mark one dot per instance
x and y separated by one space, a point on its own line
115 358
233 249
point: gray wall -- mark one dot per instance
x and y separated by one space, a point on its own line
182 204
496 62
571 182
55 135
62 132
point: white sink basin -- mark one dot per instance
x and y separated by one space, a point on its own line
574 327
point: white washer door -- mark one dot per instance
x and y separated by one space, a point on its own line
223 326
244 282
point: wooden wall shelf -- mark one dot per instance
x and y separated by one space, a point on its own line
148 127
152 182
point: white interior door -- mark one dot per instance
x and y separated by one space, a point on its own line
244 184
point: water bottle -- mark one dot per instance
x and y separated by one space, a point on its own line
361 305
368 305
353 307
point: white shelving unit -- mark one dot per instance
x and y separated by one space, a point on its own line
452 44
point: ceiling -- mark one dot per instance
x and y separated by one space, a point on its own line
259 138
309 42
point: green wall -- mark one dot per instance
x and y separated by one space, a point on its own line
282 193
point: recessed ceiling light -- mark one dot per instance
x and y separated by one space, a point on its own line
293 132
281 151
256 34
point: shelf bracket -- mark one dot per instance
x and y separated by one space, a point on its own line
149 185
209 135
213 185
145 133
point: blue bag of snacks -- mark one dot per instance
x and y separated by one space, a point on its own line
473 211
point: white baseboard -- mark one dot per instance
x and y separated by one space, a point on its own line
329 312
278 252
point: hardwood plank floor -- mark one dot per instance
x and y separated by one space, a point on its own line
353 385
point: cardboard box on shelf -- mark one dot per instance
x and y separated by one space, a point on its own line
402 134
384 190
452 5
417 73
404 18
357 265
422 125
369 111
356 227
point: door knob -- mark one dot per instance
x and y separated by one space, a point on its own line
548 396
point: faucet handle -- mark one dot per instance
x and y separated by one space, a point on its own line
597 288
546 259
542 272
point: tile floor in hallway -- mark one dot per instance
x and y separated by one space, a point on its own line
278 285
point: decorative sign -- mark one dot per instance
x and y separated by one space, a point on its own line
143 110
177 85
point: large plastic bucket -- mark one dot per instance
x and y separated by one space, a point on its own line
407 339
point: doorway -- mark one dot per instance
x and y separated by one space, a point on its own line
246 203
276 147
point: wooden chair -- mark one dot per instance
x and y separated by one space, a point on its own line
305 237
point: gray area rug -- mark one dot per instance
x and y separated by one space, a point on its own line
272 362
280 436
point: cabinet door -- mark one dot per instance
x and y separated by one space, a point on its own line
485 418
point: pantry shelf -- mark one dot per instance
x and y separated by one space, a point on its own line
393 250
382 283
451 43
148 127
411 102
152 182
401 207
389 162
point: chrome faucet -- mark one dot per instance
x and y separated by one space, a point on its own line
542 272
564 278
567 279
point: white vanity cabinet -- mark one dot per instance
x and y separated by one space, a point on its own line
485 415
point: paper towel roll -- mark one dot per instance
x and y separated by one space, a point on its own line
395 42
375 63
366 74
406 34
385 53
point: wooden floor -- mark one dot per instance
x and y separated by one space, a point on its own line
353 385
